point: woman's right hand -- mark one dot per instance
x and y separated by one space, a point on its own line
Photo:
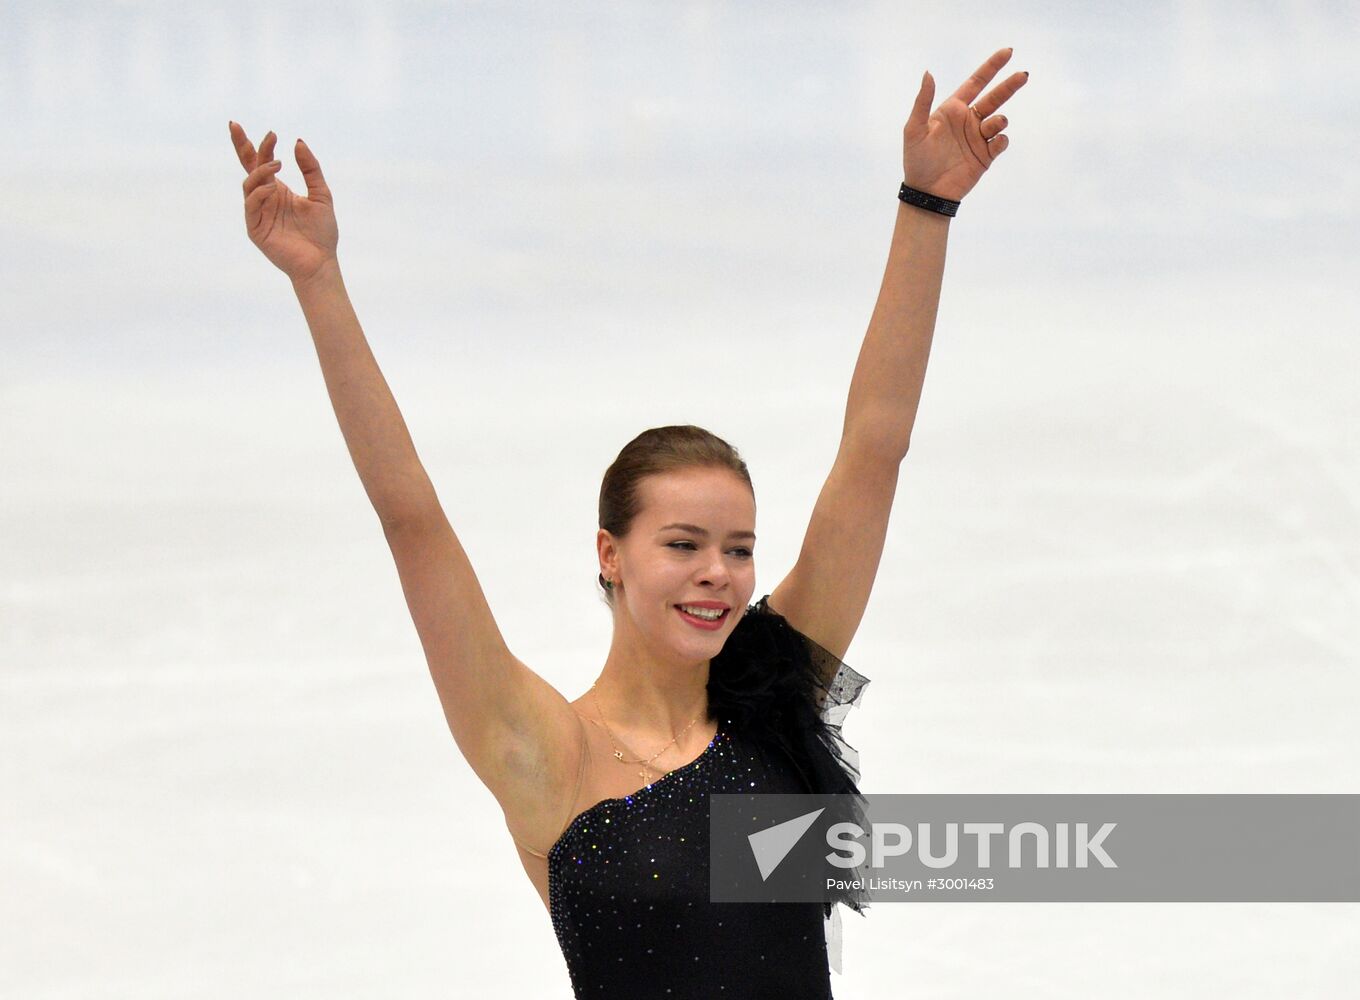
299 235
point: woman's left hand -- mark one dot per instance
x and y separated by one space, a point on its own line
945 153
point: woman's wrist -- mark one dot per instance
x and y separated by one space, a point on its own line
922 219
327 273
926 201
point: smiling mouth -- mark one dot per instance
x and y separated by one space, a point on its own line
707 616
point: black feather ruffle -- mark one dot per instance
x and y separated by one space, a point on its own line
766 681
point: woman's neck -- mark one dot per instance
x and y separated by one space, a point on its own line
644 697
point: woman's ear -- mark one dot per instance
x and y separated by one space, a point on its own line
608 551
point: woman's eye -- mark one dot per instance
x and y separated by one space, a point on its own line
744 553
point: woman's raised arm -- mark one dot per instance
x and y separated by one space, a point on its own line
509 723
944 154
299 236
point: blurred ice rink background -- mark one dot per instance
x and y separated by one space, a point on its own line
1125 555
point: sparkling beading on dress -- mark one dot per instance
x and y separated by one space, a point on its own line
628 878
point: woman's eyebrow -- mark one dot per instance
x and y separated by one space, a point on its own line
696 530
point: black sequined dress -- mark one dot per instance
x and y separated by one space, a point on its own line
628 880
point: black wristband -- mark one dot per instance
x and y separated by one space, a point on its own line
928 201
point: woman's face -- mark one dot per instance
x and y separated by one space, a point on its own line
692 543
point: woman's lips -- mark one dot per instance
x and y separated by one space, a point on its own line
704 623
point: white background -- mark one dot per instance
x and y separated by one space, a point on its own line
1125 555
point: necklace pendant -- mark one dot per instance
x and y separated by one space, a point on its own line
643 775
618 755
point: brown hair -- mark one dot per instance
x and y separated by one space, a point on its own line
654 451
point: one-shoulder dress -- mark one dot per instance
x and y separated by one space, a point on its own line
628 879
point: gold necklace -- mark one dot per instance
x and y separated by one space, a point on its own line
644 761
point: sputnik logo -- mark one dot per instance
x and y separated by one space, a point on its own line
772 846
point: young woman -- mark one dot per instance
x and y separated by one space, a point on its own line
606 796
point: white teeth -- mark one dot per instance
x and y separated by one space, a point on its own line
709 614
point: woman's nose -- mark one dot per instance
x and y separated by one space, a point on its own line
716 572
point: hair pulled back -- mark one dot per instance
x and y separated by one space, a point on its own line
655 451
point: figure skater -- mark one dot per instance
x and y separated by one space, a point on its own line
606 796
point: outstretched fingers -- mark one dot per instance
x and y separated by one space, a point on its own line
1001 93
317 190
920 116
245 150
982 76
260 166
920 111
